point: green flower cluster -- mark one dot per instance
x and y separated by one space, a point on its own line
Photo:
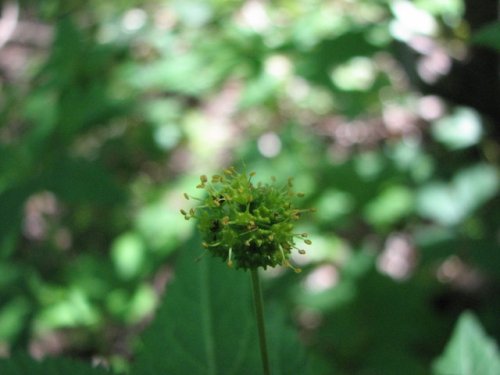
247 225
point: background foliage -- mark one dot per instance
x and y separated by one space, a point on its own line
386 113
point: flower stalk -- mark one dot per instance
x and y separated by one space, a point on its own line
259 314
249 226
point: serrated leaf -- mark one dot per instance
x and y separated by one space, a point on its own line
23 364
206 326
469 352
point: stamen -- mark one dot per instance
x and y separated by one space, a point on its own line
207 245
201 256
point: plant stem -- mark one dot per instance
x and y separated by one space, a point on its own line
259 314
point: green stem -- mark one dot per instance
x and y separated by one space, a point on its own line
206 316
259 314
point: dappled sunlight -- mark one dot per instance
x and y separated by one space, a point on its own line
269 145
321 279
399 257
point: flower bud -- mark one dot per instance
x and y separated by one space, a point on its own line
246 225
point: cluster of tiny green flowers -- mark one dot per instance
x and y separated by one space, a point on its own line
247 225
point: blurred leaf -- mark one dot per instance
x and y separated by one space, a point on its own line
446 8
356 74
341 294
22 364
76 77
159 225
188 73
12 318
440 202
81 181
11 207
393 204
316 64
374 313
41 109
469 352
81 108
488 36
461 129
142 303
450 203
437 244
206 326
73 308
203 81
333 205
369 164
259 91
128 254
194 13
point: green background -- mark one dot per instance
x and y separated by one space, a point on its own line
385 113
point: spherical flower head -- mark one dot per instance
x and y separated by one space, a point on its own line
247 225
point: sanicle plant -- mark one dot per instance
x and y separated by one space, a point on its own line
249 226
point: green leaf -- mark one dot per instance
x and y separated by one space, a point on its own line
451 203
23 364
316 64
393 204
287 356
206 326
11 203
488 36
461 129
80 181
469 352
